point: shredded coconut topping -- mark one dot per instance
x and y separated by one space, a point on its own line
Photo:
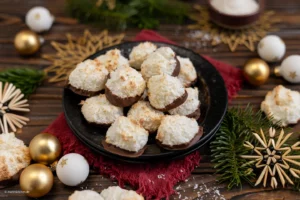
164 90
99 110
127 134
177 130
89 75
126 82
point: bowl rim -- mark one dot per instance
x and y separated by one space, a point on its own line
258 12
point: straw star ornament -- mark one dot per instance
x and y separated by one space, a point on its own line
275 158
11 104
75 51
232 38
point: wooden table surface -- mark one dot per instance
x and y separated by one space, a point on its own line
46 103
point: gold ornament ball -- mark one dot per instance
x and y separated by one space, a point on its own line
44 148
36 180
27 42
256 71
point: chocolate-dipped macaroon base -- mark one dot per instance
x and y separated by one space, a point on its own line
118 101
196 114
82 92
175 103
183 146
121 152
177 68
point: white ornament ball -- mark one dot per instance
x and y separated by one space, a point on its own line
72 169
290 69
271 48
39 19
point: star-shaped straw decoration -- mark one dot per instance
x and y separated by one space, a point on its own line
233 38
75 51
11 105
274 158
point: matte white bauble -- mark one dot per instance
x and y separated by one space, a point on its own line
290 69
39 19
271 48
72 169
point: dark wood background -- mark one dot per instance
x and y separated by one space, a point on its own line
46 103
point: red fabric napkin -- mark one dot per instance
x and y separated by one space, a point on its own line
153 181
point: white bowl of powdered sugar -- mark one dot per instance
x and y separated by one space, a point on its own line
235 14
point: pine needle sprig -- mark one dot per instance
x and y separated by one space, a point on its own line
136 13
228 146
26 79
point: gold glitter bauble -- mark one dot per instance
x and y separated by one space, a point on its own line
36 180
44 148
27 42
256 71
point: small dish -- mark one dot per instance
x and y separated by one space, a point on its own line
235 21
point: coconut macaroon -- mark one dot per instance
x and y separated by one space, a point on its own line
126 134
88 78
98 110
178 132
85 195
112 59
117 193
165 92
282 105
161 61
191 107
124 87
187 74
144 114
139 54
14 156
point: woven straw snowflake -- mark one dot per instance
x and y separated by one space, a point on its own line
274 158
75 51
11 105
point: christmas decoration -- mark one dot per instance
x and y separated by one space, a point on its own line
256 71
228 147
11 104
26 79
44 148
27 42
111 4
274 158
121 14
233 38
290 69
69 165
75 51
235 7
36 180
271 48
39 19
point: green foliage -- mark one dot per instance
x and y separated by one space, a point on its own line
136 13
23 78
236 128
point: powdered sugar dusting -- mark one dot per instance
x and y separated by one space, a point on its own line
204 187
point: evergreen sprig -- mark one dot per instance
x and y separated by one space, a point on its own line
237 127
26 79
136 13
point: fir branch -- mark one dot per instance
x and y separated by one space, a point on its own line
26 79
137 13
236 128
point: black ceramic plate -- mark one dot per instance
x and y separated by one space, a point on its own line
213 97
